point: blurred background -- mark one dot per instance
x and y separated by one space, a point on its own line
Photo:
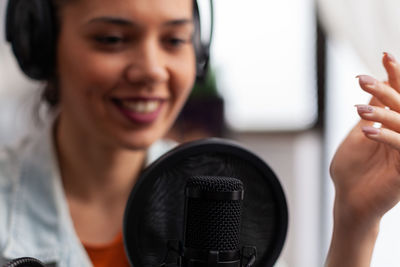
282 83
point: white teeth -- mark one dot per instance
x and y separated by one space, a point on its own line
141 106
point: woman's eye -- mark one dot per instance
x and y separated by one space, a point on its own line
109 40
176 42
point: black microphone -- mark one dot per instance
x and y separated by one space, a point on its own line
24 262
213 209
166 226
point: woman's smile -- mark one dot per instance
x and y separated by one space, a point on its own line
140 110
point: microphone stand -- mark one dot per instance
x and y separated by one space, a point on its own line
248 255
24 262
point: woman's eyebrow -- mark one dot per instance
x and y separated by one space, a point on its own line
178 22
127 22
112 20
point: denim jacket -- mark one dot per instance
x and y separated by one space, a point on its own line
34 216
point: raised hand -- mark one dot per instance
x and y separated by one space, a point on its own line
366 171
366 167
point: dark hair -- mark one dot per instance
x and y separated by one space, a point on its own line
51 92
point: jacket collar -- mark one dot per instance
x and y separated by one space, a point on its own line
41 226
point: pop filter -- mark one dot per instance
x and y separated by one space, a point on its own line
154 215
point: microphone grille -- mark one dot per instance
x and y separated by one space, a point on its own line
215 183
213 224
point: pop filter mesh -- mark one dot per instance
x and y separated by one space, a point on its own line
155 211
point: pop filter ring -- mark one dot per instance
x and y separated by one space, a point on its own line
214 145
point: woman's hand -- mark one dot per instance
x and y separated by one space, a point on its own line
366 171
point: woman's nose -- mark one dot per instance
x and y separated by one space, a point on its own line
148 65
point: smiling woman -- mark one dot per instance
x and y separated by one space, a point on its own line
117 73
148 48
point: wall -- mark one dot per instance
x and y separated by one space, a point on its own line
296 158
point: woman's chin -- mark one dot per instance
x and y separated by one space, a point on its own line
137 141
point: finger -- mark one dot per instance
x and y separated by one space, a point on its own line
389 118
393 70
375 102
383 135
383 92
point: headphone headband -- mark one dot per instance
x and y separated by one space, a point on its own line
31 29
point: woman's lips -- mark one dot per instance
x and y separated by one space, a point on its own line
142 111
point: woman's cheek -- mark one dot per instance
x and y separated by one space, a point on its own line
103 72
184 76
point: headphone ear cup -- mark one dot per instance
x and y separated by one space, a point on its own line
202 50
30 30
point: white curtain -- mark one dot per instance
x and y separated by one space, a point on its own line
371 26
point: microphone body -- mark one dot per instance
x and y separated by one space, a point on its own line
213 208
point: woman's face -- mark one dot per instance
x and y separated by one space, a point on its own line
125 68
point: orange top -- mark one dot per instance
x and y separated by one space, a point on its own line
108 255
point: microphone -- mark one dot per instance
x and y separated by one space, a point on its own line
170 221
213 210
24 262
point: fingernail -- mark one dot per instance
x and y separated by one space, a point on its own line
390 57
370 130
364 108
366 80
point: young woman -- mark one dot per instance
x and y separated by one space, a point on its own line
122 71
366 172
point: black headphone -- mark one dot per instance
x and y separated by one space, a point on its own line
32 32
